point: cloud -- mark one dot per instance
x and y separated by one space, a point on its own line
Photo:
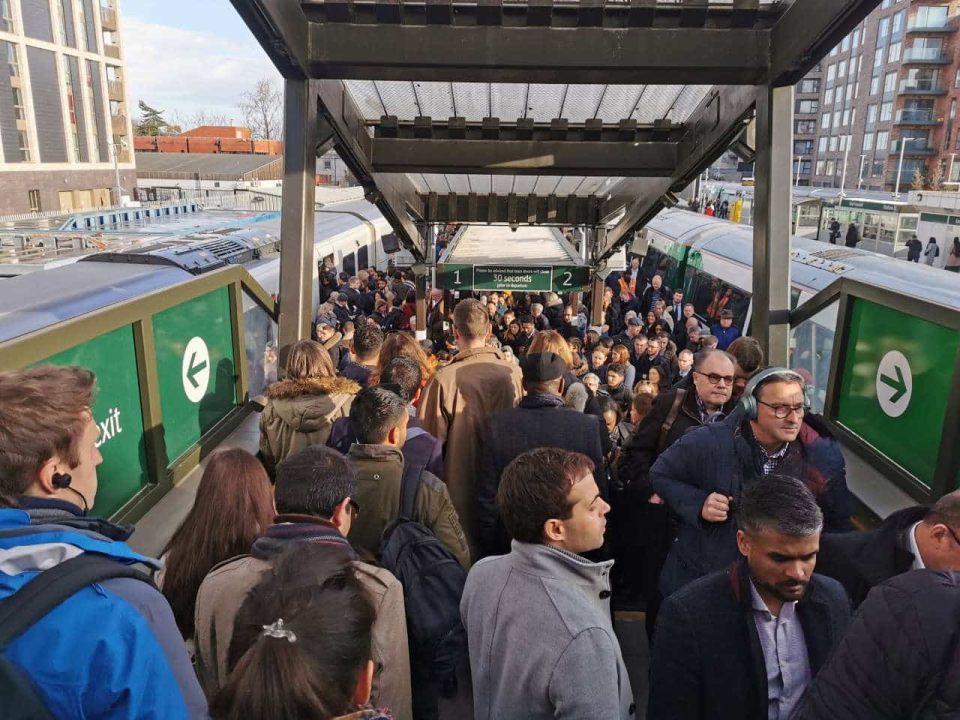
185 71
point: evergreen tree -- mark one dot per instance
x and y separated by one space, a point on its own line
151 122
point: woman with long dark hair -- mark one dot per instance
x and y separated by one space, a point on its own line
953 257
301 644
234 505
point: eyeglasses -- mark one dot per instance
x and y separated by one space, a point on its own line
354 507
953 533
781 411
715 379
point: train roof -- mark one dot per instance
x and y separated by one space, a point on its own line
815 264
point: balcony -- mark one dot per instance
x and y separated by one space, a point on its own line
119 124
108 18
913 148
930 25
918 118
115 90
112 51
922 87
926 56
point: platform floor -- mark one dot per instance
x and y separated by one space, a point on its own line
156 527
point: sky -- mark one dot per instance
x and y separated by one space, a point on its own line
188 56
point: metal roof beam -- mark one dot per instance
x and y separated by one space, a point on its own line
394 195
457 128
512 208
718 121
544 13
281 29
734 56
807 31
512 157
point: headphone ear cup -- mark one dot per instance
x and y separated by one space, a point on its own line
61 480
749 404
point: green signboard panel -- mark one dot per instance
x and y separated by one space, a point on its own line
520 278
196 368
867 205
896 382
506 277
118 412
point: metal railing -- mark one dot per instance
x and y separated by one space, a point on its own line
917 117
922 87
112 51
914 146
922 55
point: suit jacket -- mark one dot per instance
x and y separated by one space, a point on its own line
707 662
862 560
539 421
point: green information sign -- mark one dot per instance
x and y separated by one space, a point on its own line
521 278
897 376
118 412
196 367
506 277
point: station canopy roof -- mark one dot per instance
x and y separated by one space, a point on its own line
542 112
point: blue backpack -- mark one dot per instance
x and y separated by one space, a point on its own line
432 580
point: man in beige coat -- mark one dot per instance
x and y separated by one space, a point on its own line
478 382
314 498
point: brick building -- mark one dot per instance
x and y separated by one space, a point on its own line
63 107
894 79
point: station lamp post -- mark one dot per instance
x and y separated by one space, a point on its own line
118 189
903 147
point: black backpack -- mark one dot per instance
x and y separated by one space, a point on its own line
432 580
39 596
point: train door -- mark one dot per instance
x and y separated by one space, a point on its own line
350 264
363 260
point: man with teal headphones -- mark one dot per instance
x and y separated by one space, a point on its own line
702 475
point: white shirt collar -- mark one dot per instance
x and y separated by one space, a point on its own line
914 548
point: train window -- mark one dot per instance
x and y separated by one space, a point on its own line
350 264
363 260
811 349
651 262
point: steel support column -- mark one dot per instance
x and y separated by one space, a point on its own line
297 218
771 222
420 283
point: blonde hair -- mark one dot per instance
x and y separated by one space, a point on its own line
309 359
552 341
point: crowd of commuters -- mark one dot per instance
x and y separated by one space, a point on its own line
481 498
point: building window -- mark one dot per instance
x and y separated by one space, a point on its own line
822 144
883 30
896 29
874 84
842 69
809 87
886 112
856 37
877 169
802 147
871 114
894 52
6 16
831 73
845 44
883 141
820 166
327 164
834 143
825 121
34 197
868 142
836 119
846 118
830 168
806 127
828 96
933 16
808 107
889 83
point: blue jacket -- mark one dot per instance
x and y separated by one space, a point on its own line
725 336
723 458
111 650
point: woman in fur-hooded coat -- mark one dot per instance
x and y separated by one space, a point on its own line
301 408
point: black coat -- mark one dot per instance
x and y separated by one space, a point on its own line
644 364
707 662
861 560
900 659
853 236
539 421
723 457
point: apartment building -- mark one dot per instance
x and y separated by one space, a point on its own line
64 125
882 106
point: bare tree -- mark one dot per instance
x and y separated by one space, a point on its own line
262 109
201 118
918 181
936 176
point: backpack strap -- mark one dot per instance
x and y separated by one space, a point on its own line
48 589
409 486
670 420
